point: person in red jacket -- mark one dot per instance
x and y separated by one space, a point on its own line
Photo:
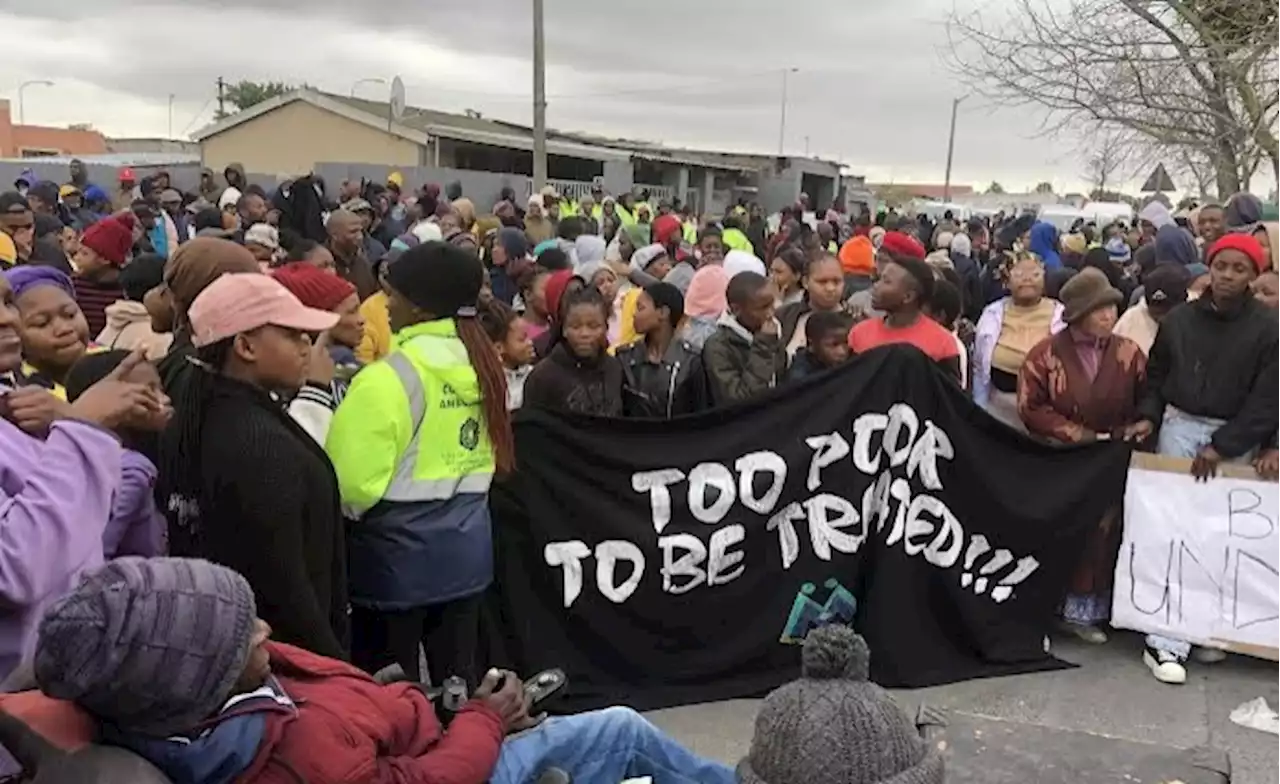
169 656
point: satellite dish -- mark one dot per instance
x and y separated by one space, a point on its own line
397 98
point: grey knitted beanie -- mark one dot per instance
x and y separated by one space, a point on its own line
152 645
833 726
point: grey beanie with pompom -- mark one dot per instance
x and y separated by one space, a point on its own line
833 726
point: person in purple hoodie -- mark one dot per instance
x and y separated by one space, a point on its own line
60 466
136 526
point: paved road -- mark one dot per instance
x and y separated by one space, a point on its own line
1111 693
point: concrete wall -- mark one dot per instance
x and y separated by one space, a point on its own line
291 139
184 177
483 188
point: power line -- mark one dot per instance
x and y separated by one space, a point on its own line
198 114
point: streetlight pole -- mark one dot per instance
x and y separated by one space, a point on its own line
951 148
539 99
366 80
22 108
782 120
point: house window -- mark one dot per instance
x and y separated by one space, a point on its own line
38 152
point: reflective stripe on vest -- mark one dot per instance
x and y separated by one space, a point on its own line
405 486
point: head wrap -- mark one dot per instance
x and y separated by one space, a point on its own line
26 277
736 261
961 245
706 295
313 286
1245 243
151 645
201 261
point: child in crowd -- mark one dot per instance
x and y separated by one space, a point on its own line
578 374
136 527
333 359
104 249
130 324
533 296
745 357
54 331
510 335
945 308
826 344
1266 289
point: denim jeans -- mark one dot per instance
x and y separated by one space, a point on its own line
1184 435
603 747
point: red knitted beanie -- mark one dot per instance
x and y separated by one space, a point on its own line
314 287
901 244
111 238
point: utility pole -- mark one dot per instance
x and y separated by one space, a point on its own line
170 115
782 121
539 100
222 98
951 147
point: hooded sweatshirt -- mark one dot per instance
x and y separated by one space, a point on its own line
1044 243
56 499
582 386
129 329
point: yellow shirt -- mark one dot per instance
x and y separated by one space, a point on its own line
1022 328
376 342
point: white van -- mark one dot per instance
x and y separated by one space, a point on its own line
1061 216
1105 213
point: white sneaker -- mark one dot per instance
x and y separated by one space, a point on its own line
1165 666
1208 655
1090 634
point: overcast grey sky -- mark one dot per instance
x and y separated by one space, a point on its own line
871 89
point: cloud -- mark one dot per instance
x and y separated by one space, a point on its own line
870 86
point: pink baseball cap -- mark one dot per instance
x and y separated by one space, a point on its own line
245 301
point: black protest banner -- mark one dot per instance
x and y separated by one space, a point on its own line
661 563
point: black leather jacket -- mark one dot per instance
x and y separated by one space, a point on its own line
677 385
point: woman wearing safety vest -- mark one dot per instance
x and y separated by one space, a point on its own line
415 444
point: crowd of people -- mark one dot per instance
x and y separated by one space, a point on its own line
302 399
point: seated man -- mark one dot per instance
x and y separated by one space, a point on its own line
169 656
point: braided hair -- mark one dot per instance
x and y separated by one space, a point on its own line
179 461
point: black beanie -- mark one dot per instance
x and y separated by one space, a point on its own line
665 295
440 278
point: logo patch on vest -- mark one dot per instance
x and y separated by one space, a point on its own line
469 434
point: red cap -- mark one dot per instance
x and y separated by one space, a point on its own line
900 244
664 226
1246 244
111 238
126 175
